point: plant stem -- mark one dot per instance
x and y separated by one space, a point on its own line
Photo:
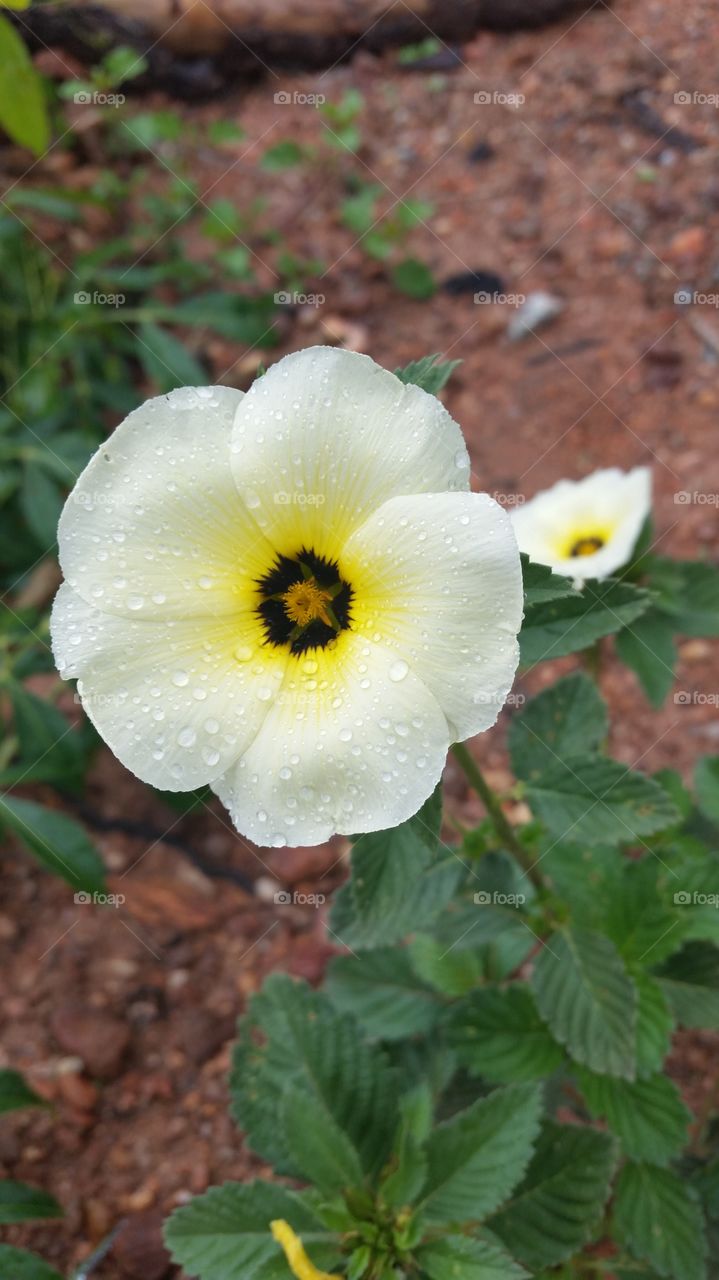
490 800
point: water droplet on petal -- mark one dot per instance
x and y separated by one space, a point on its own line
398 670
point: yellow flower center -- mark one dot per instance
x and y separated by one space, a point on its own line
307 602
297 1260
587 546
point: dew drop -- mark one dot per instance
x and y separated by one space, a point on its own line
180 678
187 737
398 670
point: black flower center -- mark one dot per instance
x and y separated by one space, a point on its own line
304 602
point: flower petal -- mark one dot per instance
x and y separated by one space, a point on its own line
611 503
354 742
325 436
155 525
438 578
176 701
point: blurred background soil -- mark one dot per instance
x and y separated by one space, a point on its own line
599 188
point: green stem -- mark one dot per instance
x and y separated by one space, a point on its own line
490 800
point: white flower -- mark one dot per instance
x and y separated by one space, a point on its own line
290 595
586 528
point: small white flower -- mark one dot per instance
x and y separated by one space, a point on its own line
586 528
290 595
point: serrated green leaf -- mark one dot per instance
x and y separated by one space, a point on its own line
499 1035
648 1116
690 981
567 720
318 1147
588 1000
448 970
15 1092
431 373
461 1258
476 1158
225 1233
657 1215
401 879
586 879
599 801
706 781
647 648
655 1024
688 591
559 1205
294 1036
641 922
564 626
674 786
541 585
18 1264
20 1203
382 991
58 842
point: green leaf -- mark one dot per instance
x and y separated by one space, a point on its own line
58 842
284 155
689 592
18 1264
318 1147
586 878
499 1035
706 781
568 719
564 626
599 801
642 924
234 316
655 1024
14 1092
541 585
648 1116
401 879
657 1216
166 361
588 1000
647 648
559 1205
413 277
225 1233
462 1258
23 112
293 1036
690 981
476 1158
46 740
19 1203
431 373
41 501
382 991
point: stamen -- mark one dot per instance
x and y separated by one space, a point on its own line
306 602
587 546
